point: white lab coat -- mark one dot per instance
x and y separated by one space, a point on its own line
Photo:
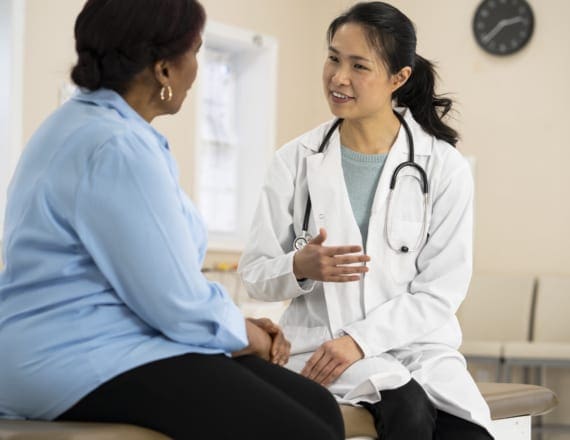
402 313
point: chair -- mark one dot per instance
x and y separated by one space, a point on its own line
497 308
549 345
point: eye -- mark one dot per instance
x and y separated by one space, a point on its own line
333 58
360 67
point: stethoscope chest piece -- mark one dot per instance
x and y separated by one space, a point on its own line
301 241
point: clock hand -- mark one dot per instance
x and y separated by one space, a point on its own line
499 27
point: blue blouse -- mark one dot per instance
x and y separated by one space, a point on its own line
102 254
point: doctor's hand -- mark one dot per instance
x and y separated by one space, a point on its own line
280 347
331 360
328 263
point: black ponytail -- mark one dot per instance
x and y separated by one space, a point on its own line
428 109
394 37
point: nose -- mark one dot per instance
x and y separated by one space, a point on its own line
341 76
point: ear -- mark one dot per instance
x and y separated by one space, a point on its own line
161 71
400 78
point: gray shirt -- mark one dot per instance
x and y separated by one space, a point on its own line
361 174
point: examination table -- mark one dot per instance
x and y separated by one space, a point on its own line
512 406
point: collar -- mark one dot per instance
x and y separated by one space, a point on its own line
423 142
112 100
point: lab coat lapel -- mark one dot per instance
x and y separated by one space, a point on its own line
329 197
332 211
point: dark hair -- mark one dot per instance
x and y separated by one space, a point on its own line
394 37
116 39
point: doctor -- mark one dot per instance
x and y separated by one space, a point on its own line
378 328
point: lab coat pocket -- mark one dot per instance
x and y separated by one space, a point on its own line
405 240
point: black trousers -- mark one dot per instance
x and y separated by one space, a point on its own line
406 413
196 396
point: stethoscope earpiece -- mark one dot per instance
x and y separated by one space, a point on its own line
404 249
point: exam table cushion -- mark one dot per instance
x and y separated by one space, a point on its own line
33 430
505 400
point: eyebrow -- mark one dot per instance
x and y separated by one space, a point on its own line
352 57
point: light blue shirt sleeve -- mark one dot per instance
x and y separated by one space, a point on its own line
145 238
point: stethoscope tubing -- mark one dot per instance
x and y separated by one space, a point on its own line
304 238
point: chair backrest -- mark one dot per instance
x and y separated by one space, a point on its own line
552 315
497 308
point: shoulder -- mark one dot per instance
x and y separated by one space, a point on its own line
450 172
443 158
443 150
119 138
90 126
449 160
444 163
306 144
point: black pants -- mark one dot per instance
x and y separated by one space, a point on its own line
406 413
198 396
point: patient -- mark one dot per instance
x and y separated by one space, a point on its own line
104 312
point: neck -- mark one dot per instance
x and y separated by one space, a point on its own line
141 96
371 135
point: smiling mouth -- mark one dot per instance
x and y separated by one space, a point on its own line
340 97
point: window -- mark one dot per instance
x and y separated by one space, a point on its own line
235 130
11 55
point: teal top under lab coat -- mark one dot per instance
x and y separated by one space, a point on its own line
102 253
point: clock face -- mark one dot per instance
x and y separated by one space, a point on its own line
503 27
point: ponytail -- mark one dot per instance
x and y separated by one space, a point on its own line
428 109
393 35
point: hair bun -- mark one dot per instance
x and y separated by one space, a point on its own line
87 72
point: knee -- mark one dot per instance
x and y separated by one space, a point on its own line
329 412
419 420
406 413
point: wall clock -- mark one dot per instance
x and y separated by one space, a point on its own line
503 27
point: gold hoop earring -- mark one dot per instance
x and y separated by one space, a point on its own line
166 93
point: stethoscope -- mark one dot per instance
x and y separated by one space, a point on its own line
304 238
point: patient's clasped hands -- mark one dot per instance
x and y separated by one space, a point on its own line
266 340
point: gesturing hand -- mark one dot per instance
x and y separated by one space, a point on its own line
329 263
280 347
331 359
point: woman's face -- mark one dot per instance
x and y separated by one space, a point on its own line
182 73
356 82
